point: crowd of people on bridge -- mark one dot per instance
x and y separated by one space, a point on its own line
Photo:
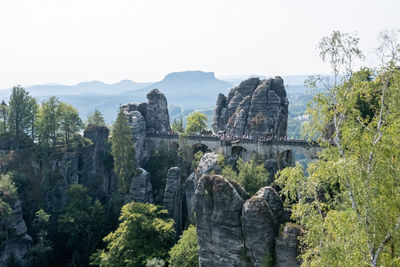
231 137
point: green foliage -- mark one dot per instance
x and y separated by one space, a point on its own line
20 113
267 261
12 261
345 201
20 180
41 253
196 159
83 223
177 125
96 118
8 194
123 151
145 232
155 263
158 165
71 123
49 121
251 176
186 252
4 114
196 122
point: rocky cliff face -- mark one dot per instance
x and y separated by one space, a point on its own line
173 197
91 167
218 218
261 217
255 107
18 241
151 116
287 246
208 164
140 189
97 164
236 230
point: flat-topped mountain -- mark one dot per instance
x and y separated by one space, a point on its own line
188 88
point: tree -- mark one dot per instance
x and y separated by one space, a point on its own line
145 232
33 107
346 202
83 223
49 120
8 194
186 252
71 123
41 252
4 112
251 176
123 151
96 119
20 113
196 122
177 125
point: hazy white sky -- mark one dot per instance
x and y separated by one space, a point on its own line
69 41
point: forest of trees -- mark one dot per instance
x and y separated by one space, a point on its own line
346 202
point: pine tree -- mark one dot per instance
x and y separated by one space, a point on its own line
96 118
19 118
123 151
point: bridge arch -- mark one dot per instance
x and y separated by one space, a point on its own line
196 148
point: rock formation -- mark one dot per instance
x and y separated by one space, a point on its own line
97 164
149 117
253 108
219 228
286 246
232 229
208 164
173 197
261 219
92 167
18 242
140 189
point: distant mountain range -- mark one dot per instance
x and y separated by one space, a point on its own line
94 87
187 90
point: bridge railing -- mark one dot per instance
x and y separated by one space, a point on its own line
233 139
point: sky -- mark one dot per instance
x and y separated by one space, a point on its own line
70 41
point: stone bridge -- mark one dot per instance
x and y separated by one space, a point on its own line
245 148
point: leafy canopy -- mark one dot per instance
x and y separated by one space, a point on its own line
145 233
196 122
123 151
347 200
83 223
250 175
186 252
96 118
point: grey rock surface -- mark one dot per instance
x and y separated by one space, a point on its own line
190 189
96 173
173 197
157 117
18 242
255 107
140 189
286 247
149 117
208 164
260 221
218 218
